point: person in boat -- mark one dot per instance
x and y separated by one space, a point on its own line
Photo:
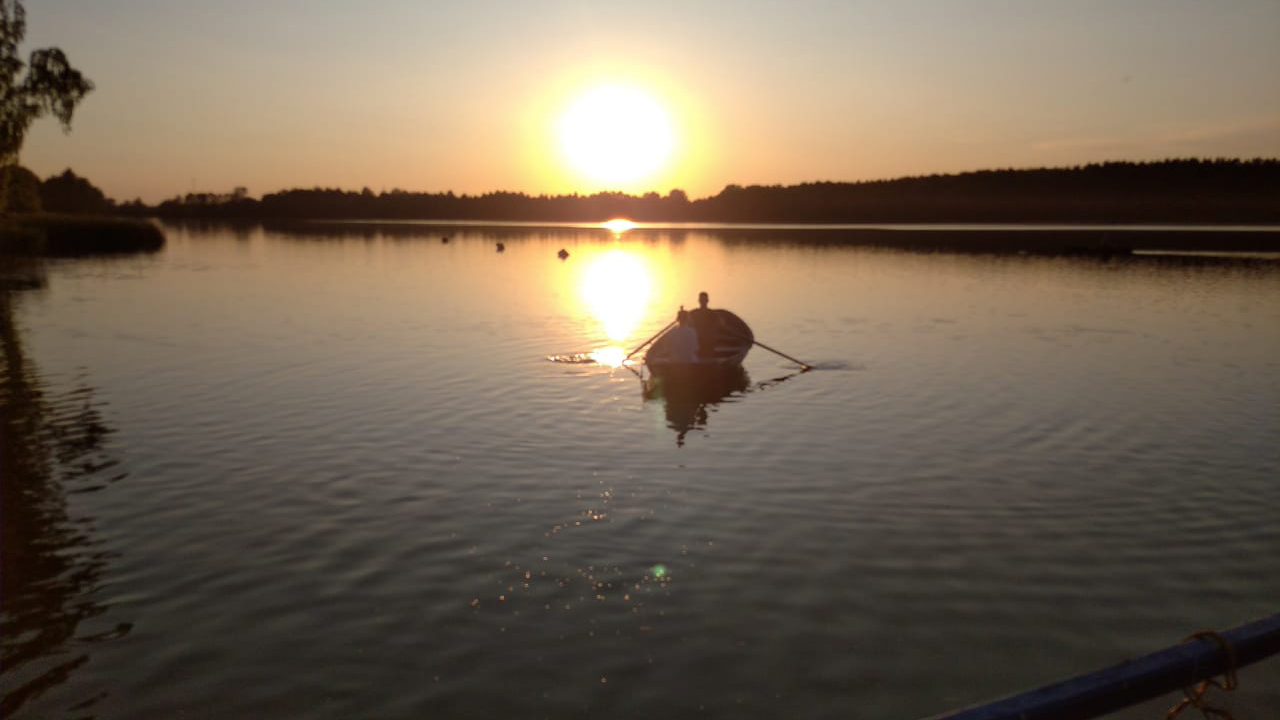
682 340
707 325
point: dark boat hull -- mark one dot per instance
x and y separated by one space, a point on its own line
696 382
730 347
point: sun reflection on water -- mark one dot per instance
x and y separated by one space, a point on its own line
618 225
616 285
613 356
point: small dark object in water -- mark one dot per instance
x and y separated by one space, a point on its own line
563 253
444 239
501 247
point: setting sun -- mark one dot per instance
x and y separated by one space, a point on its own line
616 134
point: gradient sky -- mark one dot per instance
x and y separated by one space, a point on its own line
463 96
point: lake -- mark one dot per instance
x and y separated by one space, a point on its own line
356 470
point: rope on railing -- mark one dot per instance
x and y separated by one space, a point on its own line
1142 678
1196 698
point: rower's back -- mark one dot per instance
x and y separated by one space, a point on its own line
707 323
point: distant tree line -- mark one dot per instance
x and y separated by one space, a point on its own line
1167 191
326 203
1231 191
1174 190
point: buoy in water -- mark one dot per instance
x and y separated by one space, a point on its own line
563 253
444 239
501 247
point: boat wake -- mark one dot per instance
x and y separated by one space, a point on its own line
575 358
836 365
613 357
597 357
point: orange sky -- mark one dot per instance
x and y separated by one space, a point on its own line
470 98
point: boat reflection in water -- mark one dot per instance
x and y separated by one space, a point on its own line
692 392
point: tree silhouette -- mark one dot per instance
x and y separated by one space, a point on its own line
50 85
1174 191
70 193
21 189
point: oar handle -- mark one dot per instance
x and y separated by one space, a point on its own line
646 342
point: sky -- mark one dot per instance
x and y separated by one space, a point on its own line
472 96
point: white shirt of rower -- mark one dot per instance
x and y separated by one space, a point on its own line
682 344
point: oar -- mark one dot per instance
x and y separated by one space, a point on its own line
807 367
655 337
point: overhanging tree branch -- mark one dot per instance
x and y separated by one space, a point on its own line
50 85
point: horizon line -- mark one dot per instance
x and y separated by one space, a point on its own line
958 173
669 192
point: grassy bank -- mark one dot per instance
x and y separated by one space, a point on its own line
73 235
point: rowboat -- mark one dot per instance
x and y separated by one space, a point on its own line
733 340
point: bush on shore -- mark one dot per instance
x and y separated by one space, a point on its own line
70 236
21 188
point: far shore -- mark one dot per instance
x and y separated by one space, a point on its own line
986 237
68 235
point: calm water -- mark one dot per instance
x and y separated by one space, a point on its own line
332 474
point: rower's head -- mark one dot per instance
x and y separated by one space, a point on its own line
703 299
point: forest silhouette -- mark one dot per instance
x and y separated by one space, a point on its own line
1193 191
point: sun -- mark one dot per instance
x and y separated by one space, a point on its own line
616 134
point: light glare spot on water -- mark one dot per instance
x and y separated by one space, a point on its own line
611 356
616 285
618 225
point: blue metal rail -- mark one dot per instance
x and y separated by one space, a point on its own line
1110 689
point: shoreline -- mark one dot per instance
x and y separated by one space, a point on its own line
987 238
77 235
